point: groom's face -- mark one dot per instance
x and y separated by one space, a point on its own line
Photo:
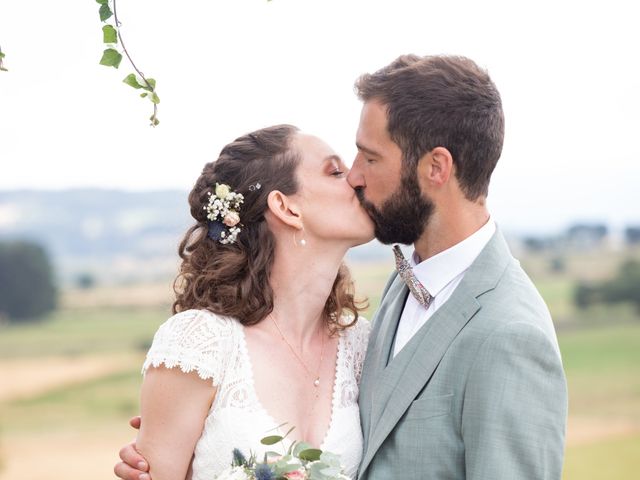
391 195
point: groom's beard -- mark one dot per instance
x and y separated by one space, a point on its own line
402 217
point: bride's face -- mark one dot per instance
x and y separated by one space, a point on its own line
330 208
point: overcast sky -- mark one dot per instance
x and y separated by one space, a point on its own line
568 72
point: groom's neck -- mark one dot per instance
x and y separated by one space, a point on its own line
450 225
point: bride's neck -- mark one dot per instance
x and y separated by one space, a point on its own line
302 278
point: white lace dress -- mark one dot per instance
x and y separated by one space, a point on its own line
215 347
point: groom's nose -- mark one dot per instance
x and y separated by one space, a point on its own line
355 177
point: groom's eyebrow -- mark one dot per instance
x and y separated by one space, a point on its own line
366 150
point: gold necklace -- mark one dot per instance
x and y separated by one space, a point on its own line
316 377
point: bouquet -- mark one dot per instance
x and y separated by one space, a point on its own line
300 462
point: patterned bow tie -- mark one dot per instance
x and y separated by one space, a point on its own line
406 273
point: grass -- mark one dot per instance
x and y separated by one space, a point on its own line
602 365
600 348
86 405
614 459
80 331
370 279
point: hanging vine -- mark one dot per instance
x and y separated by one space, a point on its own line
111 57
2 69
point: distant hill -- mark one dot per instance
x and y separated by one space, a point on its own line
114 235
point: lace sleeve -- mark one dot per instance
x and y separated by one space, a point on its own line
193 340
361 331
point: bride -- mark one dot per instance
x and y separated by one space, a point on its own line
266 330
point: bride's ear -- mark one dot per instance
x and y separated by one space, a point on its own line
284 209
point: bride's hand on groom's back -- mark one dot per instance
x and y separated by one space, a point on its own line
133 466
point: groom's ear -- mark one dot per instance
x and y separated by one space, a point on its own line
435 168
284 209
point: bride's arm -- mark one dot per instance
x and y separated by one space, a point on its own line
174 406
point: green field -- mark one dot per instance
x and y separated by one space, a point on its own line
87 416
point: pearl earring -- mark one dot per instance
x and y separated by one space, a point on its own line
302 241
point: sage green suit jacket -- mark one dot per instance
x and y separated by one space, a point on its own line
478 393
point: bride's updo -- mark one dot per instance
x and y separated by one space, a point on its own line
233 279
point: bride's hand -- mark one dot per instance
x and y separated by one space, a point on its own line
133 466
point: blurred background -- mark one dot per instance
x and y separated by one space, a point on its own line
93 200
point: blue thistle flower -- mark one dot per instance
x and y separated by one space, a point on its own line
263 472
216 228
239 460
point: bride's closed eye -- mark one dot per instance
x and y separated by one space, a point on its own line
337 173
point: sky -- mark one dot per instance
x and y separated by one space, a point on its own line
568 73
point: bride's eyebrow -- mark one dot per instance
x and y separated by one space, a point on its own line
333 158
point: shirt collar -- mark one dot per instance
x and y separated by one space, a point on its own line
437 272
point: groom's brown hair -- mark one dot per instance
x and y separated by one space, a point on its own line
441 101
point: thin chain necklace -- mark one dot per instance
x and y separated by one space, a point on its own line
316 377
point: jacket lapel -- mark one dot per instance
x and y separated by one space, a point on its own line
408 373
380 343
400 381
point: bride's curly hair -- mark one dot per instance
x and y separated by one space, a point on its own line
233 279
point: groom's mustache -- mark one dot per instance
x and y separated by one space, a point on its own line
369 207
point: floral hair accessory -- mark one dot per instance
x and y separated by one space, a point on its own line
222 213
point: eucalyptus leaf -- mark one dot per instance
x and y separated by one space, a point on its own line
271 440
330 459
299 447
102 2
142 95
132 81
310 454
1 55
331 471
105 12
109 34
111 58
154 121
152 82
316 471
286 464
155 98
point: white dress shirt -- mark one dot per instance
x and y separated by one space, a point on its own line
440 275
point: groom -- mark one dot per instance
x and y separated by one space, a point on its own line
463 377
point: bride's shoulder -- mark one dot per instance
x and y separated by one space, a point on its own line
194 318
197 340
359 330
197 330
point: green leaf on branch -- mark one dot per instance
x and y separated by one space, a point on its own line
300 447
310 454
154 121
111 58
152 82
102 2
109 34
142 95
132 81
271 440
105 12
154 98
